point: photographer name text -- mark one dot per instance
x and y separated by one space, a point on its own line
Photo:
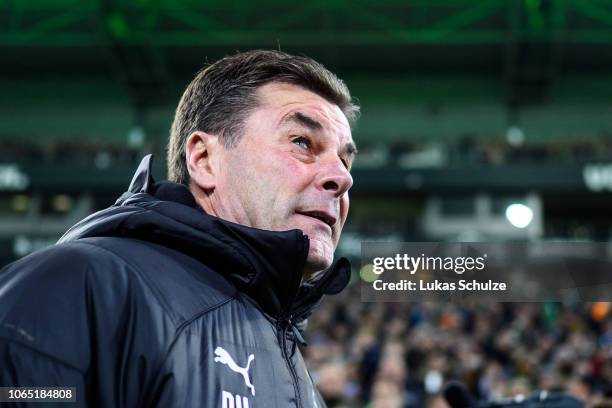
436 285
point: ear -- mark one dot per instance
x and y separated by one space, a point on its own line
201 151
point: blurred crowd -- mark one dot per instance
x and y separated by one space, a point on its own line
78 152
485 151
395 355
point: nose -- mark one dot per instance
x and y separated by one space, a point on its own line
335 178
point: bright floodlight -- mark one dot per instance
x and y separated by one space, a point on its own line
519 215
515 136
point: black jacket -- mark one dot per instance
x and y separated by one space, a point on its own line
152 302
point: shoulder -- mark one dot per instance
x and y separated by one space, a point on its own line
123 267
47 302
180 283
62 267
57 298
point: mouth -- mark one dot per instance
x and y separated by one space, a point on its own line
322 216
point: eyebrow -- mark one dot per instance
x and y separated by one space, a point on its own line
301 119
350 148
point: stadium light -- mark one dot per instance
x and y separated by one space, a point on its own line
519 215
515 136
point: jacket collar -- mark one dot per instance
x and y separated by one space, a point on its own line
266 265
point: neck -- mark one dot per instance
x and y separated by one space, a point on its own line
204 199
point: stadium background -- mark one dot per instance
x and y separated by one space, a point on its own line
468 107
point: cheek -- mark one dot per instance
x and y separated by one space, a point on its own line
243 181
288 174
275 181
270 183
344 208
285 162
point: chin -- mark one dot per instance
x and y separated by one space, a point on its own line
317 264
320 257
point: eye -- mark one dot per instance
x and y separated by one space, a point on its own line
345 162
302 142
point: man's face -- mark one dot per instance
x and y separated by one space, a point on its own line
290 170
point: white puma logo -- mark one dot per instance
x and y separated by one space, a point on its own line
223 357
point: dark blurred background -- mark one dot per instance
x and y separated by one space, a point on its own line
483 120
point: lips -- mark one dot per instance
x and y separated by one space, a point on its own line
322 216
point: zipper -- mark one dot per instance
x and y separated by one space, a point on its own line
286 322
296 333
282 329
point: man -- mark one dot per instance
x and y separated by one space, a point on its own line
190 293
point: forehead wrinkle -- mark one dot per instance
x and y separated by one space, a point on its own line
300 118
294 98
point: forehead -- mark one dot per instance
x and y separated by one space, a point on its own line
279 100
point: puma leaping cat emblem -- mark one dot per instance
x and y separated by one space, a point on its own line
224 357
